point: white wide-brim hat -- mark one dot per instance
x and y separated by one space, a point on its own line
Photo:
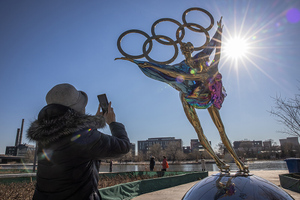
67 95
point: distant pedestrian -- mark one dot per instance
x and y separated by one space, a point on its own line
243 159
110 166
152 163
164 164
203 165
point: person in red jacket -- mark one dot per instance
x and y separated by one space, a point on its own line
164 164
70 147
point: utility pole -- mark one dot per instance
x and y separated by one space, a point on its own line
17 138
21 133
35 156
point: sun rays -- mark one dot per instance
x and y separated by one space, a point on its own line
254 39
236 48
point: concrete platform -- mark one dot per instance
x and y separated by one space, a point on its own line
176 193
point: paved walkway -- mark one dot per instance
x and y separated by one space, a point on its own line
176 193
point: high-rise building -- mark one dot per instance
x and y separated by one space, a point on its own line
132 149
144 146
195 144
256 145
20 150
289 140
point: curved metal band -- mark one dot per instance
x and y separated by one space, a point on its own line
191 26
170 20
203 30
133 31
212 21
149 40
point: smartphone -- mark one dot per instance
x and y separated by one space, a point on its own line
103 102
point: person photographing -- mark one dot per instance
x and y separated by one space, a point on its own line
70 147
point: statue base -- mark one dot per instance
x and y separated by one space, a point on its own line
235 186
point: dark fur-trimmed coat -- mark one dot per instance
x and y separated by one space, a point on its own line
69 152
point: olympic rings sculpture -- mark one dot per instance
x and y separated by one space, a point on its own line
165 40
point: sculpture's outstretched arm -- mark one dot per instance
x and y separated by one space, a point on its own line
215 41
202 58
168 71
218 42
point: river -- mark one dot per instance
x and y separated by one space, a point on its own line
253 165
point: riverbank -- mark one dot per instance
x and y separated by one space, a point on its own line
209 161
183 166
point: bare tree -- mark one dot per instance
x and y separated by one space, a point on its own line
246 147
156 151
141 156
172 150
287 112
288 150
127 157
196 155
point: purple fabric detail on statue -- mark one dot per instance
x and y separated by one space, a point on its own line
215 86
231 190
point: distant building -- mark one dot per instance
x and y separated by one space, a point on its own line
11 150
248 143
195 144
267 144
132 149
186 149
144 146
289 140
20 150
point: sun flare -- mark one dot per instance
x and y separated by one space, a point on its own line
236 48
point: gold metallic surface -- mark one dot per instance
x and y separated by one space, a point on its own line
193 118
215 116
202 72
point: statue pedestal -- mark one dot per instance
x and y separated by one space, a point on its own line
235 186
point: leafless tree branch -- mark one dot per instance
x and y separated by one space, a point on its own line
287 112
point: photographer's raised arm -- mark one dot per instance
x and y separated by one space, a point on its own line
106 146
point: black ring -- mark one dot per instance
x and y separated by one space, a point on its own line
133 31
212 21
166 38
171 20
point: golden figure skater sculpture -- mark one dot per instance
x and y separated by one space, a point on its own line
196 78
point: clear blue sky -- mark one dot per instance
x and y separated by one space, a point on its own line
44 43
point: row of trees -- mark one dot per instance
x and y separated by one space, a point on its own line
174 152
275 151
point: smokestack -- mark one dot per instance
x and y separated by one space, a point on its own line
21 133
17 138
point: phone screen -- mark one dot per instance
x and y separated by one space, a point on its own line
103 102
